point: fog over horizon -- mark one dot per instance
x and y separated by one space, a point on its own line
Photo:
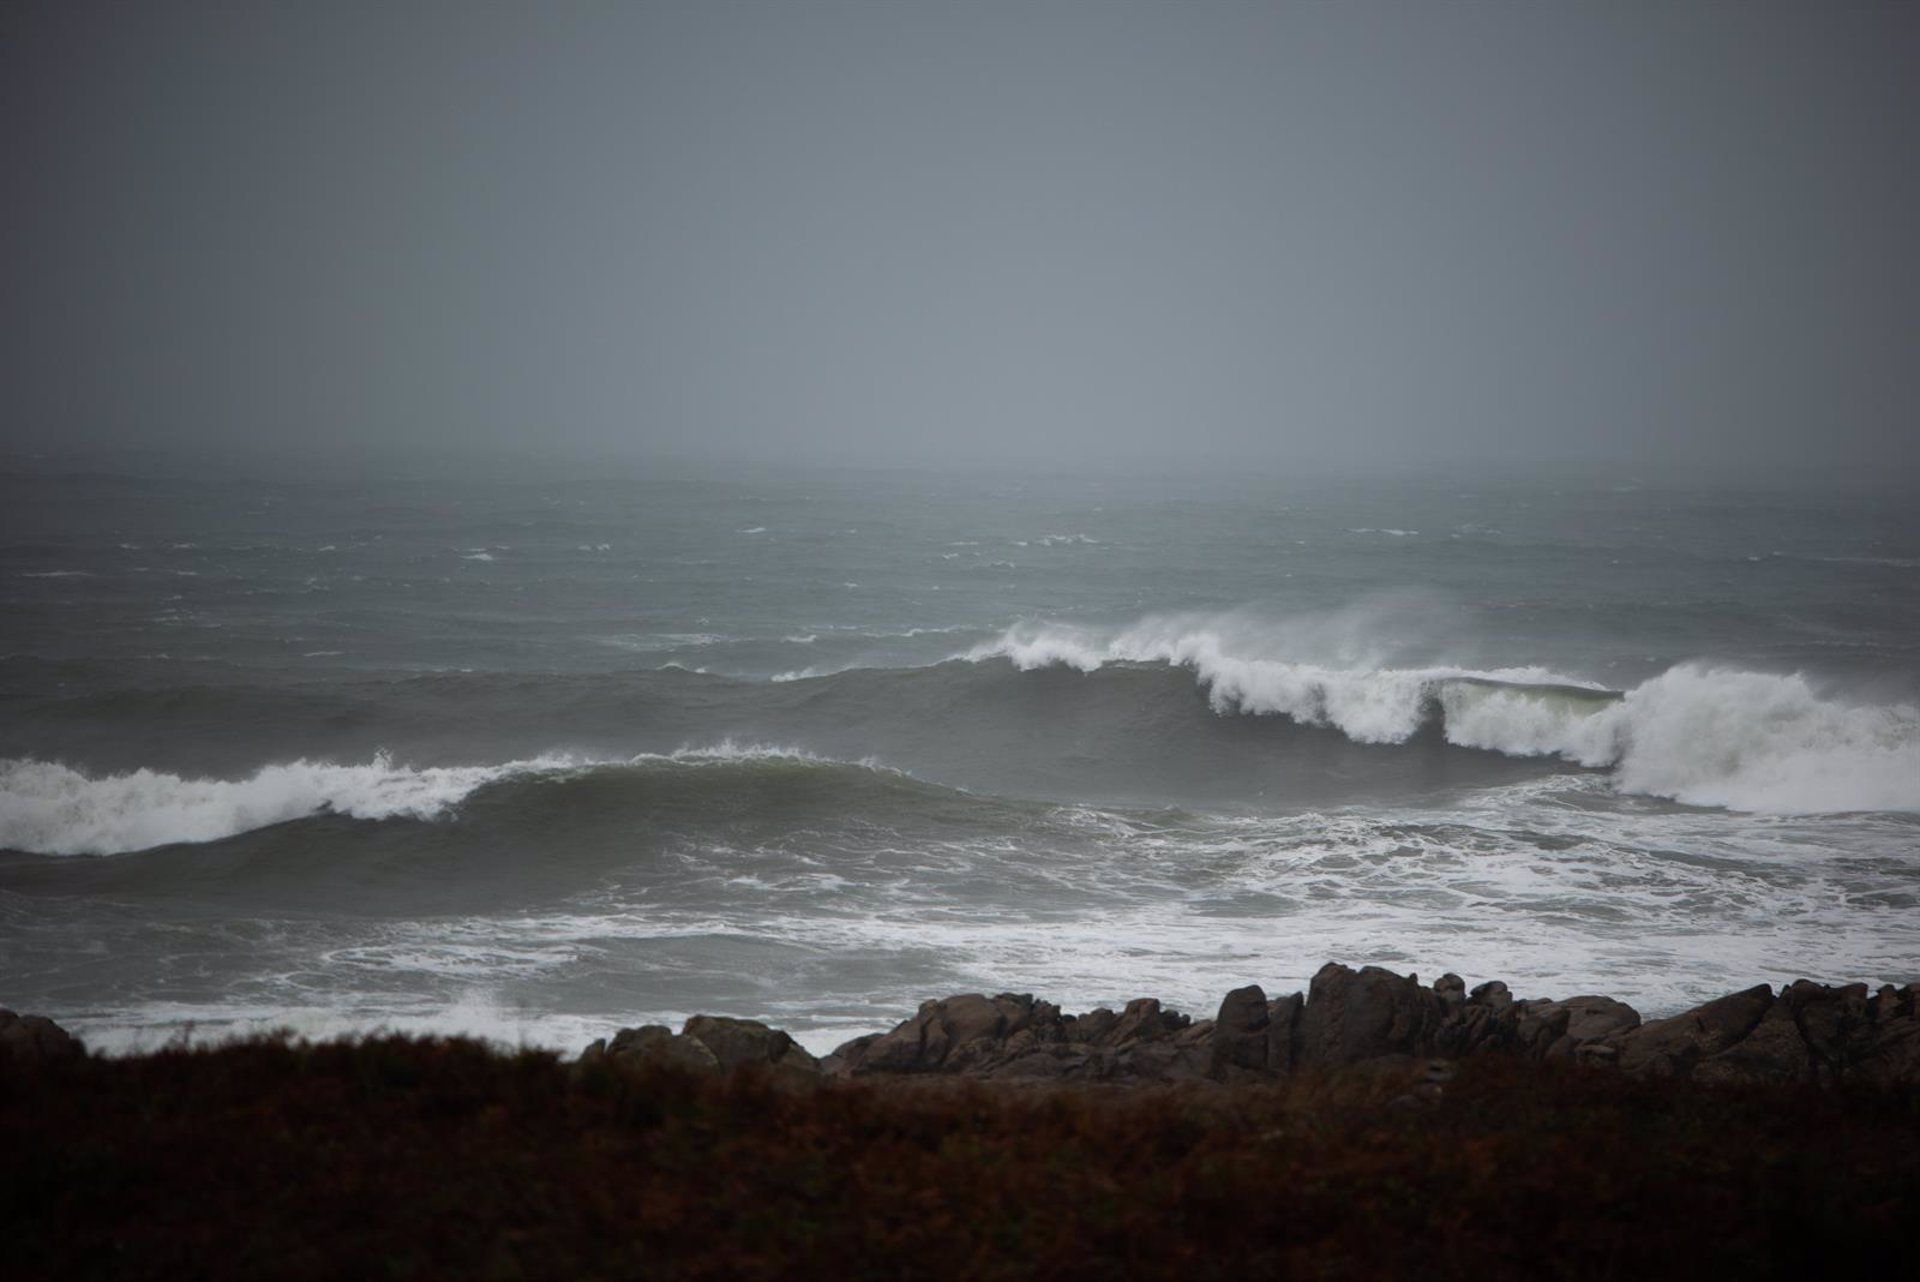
1231 235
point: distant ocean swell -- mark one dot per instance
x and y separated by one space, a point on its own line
1743 740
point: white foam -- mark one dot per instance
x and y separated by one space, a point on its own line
50 809
730 751
1707 736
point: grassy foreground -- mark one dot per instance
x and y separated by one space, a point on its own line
427 1158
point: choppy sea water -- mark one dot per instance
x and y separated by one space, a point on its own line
534 752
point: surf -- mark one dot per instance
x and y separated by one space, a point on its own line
1696 733
48 808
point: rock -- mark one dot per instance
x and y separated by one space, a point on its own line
1154 1061
1014 1036
1593 1018
1774 1051
1671 1047
1575 1021
1240 1034
1492 994
1283 1031
1811 1033
898 1051
1198 1033
1835 1023
967 1029
1357 1015
840 1062
969 1018
37 1040
1471 1028
655 1045
1370 1019
1045 1063
1144 1020
734 1042
1892 1054
1092 1026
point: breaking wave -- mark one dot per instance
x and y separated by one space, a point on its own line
1703 735
50 809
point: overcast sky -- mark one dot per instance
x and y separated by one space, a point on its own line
897 230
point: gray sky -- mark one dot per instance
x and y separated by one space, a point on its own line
1276 232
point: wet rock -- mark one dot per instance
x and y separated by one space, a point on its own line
36 1040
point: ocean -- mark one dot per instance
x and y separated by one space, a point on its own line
537 751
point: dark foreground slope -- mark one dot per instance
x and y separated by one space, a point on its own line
402 1158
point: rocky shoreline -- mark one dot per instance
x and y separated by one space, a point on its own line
1368 1019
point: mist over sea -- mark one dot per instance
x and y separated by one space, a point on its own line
538 751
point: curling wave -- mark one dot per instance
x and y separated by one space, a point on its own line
1698 734
51 809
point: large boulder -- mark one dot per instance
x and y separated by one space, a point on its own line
1352 1016
1812 1032
1239 1041
36 1040
735 1042
1672 1047
706 1044
964 1028
1892 1054
1572 1026
652 1045
1283 1031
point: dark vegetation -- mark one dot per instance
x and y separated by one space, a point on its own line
404 1158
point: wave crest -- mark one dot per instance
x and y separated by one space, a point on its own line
1708 736
51 809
